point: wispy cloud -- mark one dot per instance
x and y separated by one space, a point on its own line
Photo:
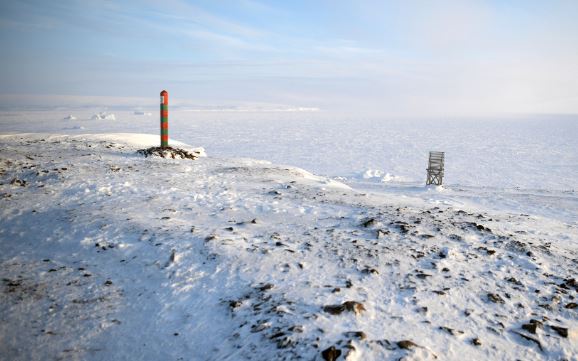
392 57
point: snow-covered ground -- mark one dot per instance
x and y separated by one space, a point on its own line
105 254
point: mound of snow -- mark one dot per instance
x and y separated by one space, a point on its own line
103 116
70 117
381 176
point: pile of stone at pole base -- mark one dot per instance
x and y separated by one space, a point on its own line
169 152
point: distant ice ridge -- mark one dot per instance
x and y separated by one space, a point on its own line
140 112
242 109
103 116
70 117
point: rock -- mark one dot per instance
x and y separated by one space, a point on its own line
296 328
406 344
476 342
422 275
381 232
514 281
571 305
451 331
351 306
234 304
562 331
357 334
369 270
168 152
260 327
423 309
495 298
18 182
331 353
368 222
532 326
265 287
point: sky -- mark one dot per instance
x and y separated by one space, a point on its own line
390 58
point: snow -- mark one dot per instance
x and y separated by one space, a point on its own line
105 254
103 116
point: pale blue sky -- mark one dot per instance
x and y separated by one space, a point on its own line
405 57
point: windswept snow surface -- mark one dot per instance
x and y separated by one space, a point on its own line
106 255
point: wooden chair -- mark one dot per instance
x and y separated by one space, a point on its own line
435 169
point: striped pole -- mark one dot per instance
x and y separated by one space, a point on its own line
164 119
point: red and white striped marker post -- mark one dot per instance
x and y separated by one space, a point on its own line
164 119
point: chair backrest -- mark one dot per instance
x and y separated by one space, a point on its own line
436 160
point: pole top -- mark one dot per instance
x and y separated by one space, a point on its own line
164 92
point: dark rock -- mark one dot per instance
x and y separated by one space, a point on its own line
284 342
265 287
422 275
277 335
404 228
438 292
351 306
514 281
422 309
357 334
571 305
406 344
369 271
532 326
18 182
381 232
331 354
168 152
369 222
451 331
296 328
562 331
495 298
235 303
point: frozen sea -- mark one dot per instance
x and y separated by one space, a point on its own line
521 163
